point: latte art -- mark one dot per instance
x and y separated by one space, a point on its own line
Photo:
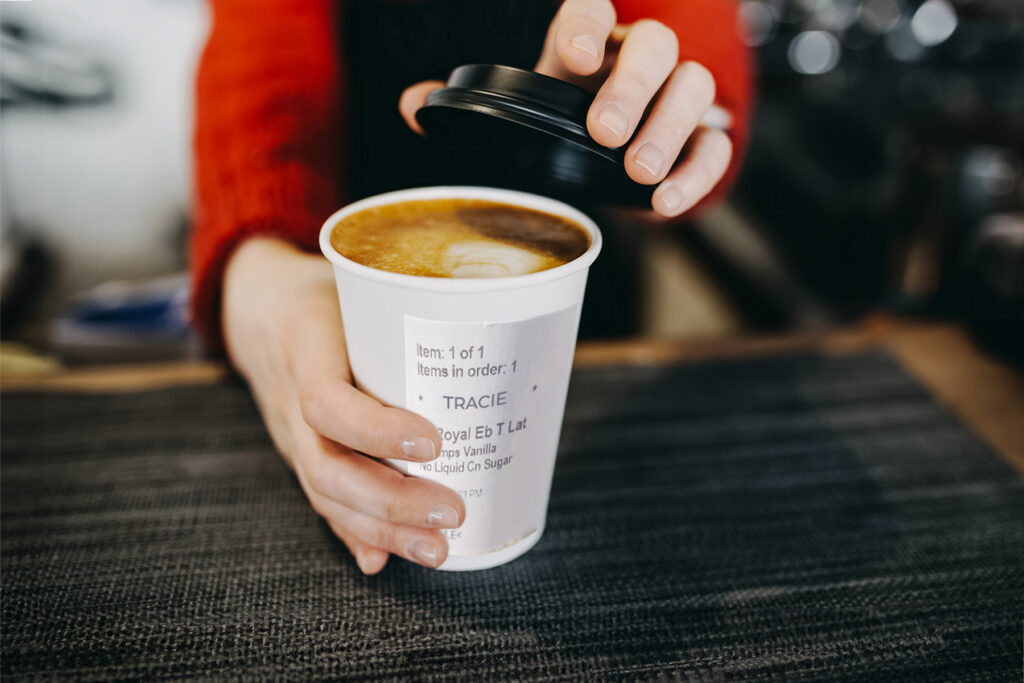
483 259
458 238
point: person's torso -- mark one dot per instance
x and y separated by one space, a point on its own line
388 45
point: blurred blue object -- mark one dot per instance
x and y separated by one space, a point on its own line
127 322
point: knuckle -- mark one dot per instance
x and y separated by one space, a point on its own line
319 478
319 505
311 402
393 503
720 144
697 76
634 84
705 172
676 125
371 433
711 167
337 530
386 537
661 39
379 420
602 11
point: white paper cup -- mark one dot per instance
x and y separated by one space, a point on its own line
487 361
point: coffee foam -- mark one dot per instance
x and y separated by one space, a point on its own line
457 238
489 259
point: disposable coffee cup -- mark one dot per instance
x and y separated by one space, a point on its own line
486 360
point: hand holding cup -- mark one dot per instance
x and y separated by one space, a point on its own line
286 339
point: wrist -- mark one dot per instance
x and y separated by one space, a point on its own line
269 285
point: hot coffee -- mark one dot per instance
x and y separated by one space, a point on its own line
485 358
458 238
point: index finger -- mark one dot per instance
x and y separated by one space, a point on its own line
581 29
342 413
336 409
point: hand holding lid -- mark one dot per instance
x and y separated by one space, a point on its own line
643 130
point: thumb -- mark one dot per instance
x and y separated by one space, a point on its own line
576 38
413 98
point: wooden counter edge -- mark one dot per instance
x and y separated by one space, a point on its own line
667 351
101 379
987 395
138 377
983 393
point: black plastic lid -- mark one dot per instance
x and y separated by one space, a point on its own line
516 128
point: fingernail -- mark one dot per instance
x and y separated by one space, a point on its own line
671 198
443 516
418 448
650 158
425 553
585 43
614 118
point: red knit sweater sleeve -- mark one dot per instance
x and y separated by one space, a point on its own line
268 119
266 137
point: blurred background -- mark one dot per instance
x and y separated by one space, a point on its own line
96 116
885 178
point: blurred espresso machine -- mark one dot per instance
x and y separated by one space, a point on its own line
887 157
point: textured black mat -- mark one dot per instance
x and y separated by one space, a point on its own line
792 518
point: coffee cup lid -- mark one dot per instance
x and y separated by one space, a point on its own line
520 129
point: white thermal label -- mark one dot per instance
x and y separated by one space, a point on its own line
496 392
